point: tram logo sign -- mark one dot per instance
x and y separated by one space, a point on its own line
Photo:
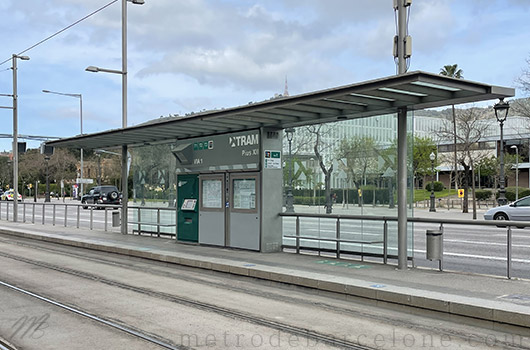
243 140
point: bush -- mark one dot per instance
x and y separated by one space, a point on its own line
510 193
438 186
304 200
483 195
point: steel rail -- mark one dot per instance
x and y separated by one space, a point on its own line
303 332
95 318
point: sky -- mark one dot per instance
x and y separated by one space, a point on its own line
192 55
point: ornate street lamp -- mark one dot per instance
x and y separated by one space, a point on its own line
501 113
289 207
432 208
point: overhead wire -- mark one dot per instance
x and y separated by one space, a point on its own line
62 30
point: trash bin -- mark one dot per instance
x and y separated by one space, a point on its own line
115 218
434 245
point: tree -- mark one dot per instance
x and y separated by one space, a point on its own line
421 152
320 146
358 159
470 129
452 70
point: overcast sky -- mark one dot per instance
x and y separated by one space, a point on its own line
190 55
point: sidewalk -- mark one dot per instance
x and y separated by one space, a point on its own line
483 297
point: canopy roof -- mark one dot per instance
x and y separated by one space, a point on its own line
414 90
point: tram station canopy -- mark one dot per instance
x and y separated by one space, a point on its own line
414 90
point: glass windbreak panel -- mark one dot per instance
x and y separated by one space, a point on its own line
212 193
244 193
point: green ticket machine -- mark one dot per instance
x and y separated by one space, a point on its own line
188 214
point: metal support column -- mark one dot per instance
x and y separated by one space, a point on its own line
124 190
402 189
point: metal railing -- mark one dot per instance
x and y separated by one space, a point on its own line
384 234
91 214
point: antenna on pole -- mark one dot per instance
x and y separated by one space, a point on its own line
402 49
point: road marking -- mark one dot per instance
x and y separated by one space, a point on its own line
486 243
461 255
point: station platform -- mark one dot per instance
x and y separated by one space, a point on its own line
488 298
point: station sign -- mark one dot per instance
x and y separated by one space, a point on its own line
235 151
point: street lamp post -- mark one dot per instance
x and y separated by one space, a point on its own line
289 205
432 208
80 97
516 171
15 134
501 113
123 72
47 195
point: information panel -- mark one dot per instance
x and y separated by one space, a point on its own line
244 193
212 193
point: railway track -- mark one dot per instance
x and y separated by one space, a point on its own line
167 344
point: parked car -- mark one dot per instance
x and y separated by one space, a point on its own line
9 195
517 211
102 195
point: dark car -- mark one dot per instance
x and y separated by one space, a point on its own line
102 195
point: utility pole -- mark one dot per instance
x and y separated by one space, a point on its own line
402 48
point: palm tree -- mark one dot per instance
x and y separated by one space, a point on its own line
452 70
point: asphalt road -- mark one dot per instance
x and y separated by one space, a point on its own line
188 308
473 249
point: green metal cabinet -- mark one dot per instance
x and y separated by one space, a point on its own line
188 208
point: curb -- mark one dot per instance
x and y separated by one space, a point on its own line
488 310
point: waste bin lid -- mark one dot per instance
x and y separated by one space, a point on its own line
434 232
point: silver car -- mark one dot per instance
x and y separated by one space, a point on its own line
518 211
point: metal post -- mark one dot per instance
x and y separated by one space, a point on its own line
7 214
47 196
297 235
33 214
516 171
509 253
402 189
78 214
139 221
53 217
289 207
91 216
338 237
124 189
385 242
158 222
65 215
43 213
24 212
15 140
81 130
106 217
432 207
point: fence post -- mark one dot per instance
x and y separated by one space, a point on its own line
7 214
297 235
43 213
509 253
33 214
23 212
385 242
53 219
139 220
65 215
106 212
338 237
91 215
158 222
78 214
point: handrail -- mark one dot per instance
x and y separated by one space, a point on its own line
502 224
498 223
